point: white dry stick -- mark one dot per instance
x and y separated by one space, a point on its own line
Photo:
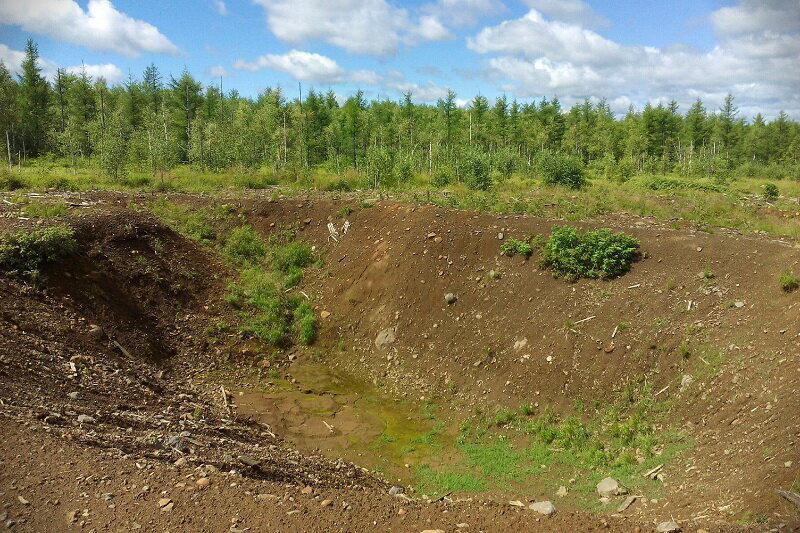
346 226
635 286
585 319
330 427
614 333
662 390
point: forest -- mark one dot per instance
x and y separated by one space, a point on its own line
155 123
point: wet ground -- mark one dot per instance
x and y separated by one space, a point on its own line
326 410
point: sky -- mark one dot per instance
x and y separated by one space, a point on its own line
627 52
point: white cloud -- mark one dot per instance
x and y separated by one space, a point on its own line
576 11
756 58
358 26
13 62
100 27
221 8
303 66
463 12
217 71
108 71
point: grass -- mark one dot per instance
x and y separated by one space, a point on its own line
22 253
44 210
736 203
195 223
513 246
789 282
515 449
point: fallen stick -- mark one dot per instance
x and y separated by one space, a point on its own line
635 286
662 390
585 319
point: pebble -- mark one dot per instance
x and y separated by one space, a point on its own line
326 503
203 482
668 527
85 419
396 489
562 491
450 298
74 395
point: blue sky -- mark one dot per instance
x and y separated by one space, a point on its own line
628 52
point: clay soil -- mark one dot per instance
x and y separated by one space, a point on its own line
113 399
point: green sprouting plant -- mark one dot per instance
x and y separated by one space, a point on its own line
244 245
771 192
593 254
513 246
789 282
22 253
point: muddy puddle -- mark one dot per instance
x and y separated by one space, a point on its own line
328 411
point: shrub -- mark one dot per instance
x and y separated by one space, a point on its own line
245 245
280 319
249 181
771 192
593 254
513 246
476 170
137 181
22 253
442 177
561 169
9 182
789 282
292 256
338 185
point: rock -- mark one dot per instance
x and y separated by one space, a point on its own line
627 503
686 380
609 487
74 395
23 501
308 489
325 314
384 338
181 462
326 503
546 508
166 504
203 482
249 461
96 332
85 419
501 236
739 304
450 298
396 489
562 491
668 527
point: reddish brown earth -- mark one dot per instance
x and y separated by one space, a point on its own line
390 271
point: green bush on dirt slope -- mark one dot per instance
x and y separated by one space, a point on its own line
22 253
593 254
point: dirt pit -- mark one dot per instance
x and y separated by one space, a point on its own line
678 379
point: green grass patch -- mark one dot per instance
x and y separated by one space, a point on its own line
44 210
513 246
196 224
22 253
789 282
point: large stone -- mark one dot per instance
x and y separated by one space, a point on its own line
668 527
384 338
396 489
546 508
450 298
609 487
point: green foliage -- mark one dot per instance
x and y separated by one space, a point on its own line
291 255
10 182
561 169
442 176
338 185
444 482
513 246
771 192
43 210
244 245
592 254
22 253
789 282
476 171
280 318
194 223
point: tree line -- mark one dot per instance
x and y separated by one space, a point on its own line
153 123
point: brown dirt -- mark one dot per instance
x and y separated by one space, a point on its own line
389 271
